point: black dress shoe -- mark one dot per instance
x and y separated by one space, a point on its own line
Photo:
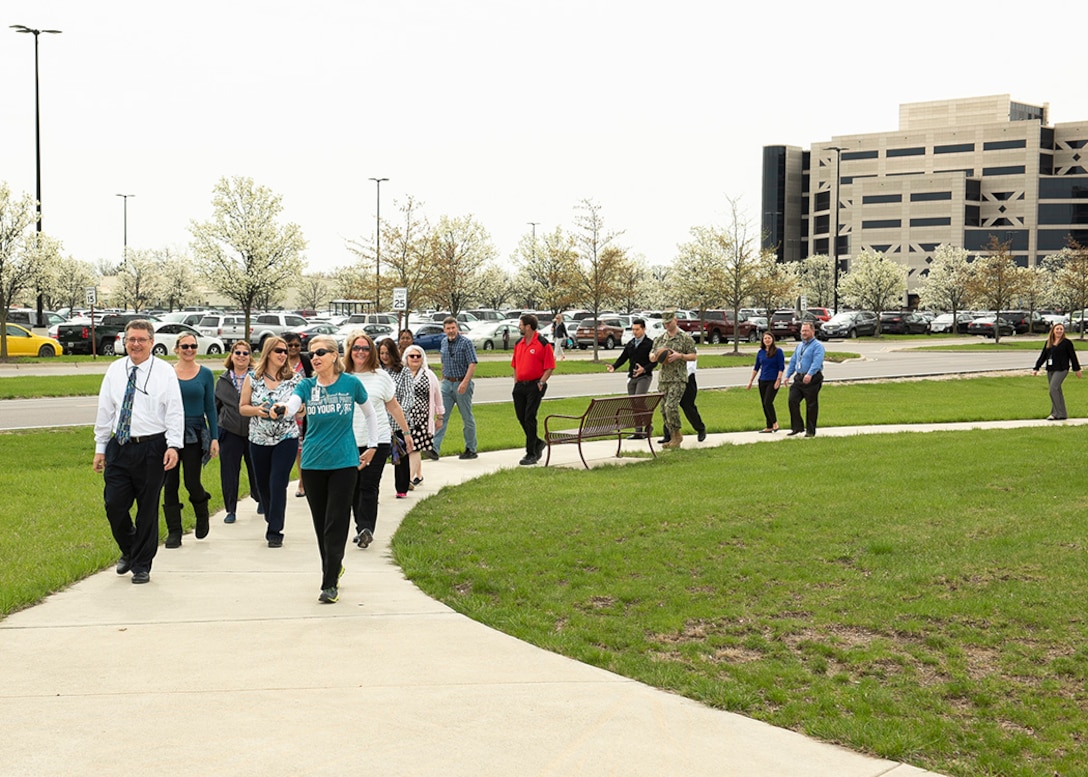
540 446
663 440
528 461
468 454
275 542
140 577
795 433
810 434
124 564
702 435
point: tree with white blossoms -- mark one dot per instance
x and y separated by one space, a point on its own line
548 270
778 282
178 284
1034 288
946 284
22 255
138 281
1068 271
313 291
243 251
699 271
995 280
600 262
817 276
66 286
874 283
496 289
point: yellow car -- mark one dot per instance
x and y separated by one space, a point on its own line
23 342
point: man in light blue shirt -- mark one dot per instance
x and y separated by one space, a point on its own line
806 368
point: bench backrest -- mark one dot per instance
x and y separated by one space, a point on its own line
621 413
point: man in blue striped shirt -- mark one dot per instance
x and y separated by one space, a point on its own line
806 369
458 367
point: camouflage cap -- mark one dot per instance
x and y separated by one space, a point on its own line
667 316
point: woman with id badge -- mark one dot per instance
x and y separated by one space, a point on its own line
1058 354
330 459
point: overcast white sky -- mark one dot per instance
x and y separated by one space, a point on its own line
510 111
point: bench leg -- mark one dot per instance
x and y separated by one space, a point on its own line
581 455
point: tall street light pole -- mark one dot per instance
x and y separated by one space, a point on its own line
378 248
124 256
37 133
835 233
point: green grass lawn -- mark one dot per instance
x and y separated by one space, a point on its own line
919 597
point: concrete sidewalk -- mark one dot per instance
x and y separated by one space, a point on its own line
227 665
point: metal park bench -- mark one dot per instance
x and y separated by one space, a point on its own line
604 419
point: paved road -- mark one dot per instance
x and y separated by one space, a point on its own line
878 360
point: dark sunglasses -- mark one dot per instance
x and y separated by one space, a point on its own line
415 356
323 352
360 347
241 353
188 346
279 350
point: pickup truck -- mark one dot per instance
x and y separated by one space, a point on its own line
75 337
718 327
266 325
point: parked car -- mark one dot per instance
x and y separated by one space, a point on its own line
822 314
943 323
225 326
1025 322
654 330
985 326
785 323
607 332
903 322
28 318
187 317
463 317
489 335
429 336
167 334
358 319
307 333
23 342
488 314
850 323
266 325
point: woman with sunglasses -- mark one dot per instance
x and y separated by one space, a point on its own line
331 461
426 411
234 428
299 363
273 437
361 361
389 356
201 441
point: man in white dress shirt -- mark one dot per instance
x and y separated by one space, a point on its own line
137 434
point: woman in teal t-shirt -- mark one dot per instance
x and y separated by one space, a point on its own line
330 459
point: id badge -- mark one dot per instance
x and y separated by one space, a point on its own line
315 394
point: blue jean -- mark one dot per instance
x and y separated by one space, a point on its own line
273 464
450 397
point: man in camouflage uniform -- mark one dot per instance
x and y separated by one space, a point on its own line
673 350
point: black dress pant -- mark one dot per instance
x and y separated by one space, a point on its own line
767 393
365 501
134 474
527 396
810 393
329 493
233 450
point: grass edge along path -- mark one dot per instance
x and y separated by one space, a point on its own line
916 597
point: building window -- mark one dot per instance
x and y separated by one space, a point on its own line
881 224
1063 188
914 151
848 156
979 239
1006 170
928 248
1057 239
968 171
873 199
942 221
1046 164
1046 138
997 145
820 246
822 225
955 148
930 196
1063 213
971 216
823 201
974 190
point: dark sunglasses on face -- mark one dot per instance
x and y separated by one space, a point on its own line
279 350
360 347
414 356
241 353
323 352
187 346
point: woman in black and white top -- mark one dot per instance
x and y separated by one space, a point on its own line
1059 355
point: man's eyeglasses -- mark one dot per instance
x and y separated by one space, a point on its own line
360 348
323 352
137 340
241 353
279 350
188 346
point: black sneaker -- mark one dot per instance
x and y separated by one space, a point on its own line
329 596
528 461
365 538
468 454
416 481
432 455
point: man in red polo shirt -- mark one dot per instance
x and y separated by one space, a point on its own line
533 363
